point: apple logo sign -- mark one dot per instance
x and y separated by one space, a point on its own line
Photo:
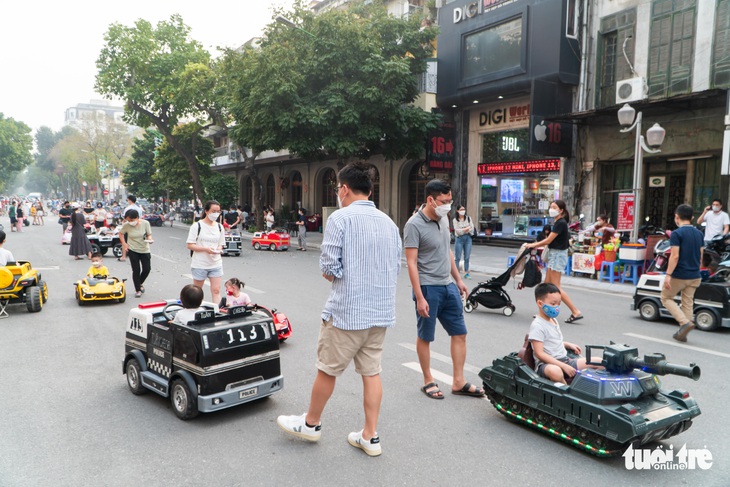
540 132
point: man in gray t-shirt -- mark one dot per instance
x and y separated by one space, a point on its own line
431 268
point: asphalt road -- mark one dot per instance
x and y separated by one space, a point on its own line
68 419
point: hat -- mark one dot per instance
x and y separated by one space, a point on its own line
75 205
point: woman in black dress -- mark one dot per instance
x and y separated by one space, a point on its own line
80 244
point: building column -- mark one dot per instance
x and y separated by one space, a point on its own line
689 182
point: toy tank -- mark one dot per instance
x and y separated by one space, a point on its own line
601 411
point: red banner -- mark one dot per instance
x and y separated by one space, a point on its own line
625 221
543 165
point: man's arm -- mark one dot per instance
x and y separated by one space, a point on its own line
702 216
673 259
412 262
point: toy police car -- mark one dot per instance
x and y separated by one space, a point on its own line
214 362
232 244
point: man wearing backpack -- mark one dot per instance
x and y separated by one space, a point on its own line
431 268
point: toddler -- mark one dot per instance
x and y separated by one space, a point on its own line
234 296
191 297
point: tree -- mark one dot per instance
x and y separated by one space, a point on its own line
16 145
171 174
147 67
139 172
222 188
345 90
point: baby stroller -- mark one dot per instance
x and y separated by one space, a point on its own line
491 294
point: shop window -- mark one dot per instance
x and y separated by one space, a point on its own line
615 179
329 188
493 53
706 185
612 64
671 47
270 191
721 48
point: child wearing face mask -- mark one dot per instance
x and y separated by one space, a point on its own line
97 267
234 296
549 349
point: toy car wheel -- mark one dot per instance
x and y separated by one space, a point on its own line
159 223
468 307
34 299
649 311
508 311
272 247
706 320
44 291
134 377
117 250
257 246
103 250
78 297
122 299
95 248
182 400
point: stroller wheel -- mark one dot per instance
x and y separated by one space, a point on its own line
508 310
468 307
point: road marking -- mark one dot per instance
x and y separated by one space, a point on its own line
439 377
165 259
438 356
48 268
174 238
677 344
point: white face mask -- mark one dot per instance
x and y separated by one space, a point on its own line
462 212
213 216
96 264
134 223
339 202
715 208
553 212
443 210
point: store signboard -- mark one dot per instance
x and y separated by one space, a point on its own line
543 165
625 221
440 150
550 138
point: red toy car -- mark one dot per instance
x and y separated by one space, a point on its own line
273 240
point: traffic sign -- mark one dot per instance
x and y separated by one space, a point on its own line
106 192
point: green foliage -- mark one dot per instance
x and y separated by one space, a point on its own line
16 145
172 172
221 188
139 174
346 92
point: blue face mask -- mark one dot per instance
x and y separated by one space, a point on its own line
551 311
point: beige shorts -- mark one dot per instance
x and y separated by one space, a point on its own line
336 348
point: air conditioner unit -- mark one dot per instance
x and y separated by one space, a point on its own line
233 154
629 90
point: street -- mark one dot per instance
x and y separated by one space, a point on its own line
69 419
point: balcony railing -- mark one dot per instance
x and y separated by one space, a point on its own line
427 82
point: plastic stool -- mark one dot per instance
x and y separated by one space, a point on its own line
612 274
511 260
631 272
569 266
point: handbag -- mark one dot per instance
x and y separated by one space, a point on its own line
60 221
545 255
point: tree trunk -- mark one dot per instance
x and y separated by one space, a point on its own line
257 205
191 160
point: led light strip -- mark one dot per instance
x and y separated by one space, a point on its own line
563 436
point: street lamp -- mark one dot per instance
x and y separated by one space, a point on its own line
654 138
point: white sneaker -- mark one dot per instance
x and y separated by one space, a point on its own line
371 446
297 426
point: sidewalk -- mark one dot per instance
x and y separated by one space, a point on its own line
492 261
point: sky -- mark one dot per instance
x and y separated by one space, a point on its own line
48 49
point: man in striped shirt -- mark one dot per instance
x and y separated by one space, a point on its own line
361 253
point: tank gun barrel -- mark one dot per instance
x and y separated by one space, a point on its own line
655 364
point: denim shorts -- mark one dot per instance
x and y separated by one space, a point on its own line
557 260
201 274
566 360
444 303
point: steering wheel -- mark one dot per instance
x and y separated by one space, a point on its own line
166 311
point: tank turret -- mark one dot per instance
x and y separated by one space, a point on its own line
604 409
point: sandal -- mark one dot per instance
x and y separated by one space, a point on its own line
435 393
138 294
466 391
141 288
572 318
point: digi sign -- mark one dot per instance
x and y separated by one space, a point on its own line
543 165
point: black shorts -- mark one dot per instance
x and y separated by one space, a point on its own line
99 224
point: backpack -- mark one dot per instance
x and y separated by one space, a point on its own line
533 276
198 235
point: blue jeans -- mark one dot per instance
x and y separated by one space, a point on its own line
463 243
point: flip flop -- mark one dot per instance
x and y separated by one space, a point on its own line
465 391
572 318
432 394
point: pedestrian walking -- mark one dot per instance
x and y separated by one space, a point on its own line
80 244
205 240
40 212
558 242
464 231
717 222
361 253
683 271
431 268
64 215
232 218
136 237
19 216
13 215
302 229
100 215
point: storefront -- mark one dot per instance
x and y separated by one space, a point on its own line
511 188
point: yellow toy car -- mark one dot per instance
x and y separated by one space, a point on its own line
20 283
100 288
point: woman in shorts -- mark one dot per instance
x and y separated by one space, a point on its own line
205 241
558 243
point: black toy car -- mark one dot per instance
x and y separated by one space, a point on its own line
214 362
102 243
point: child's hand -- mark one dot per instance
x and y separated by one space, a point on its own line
567 369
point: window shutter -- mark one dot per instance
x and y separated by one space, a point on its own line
721 53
